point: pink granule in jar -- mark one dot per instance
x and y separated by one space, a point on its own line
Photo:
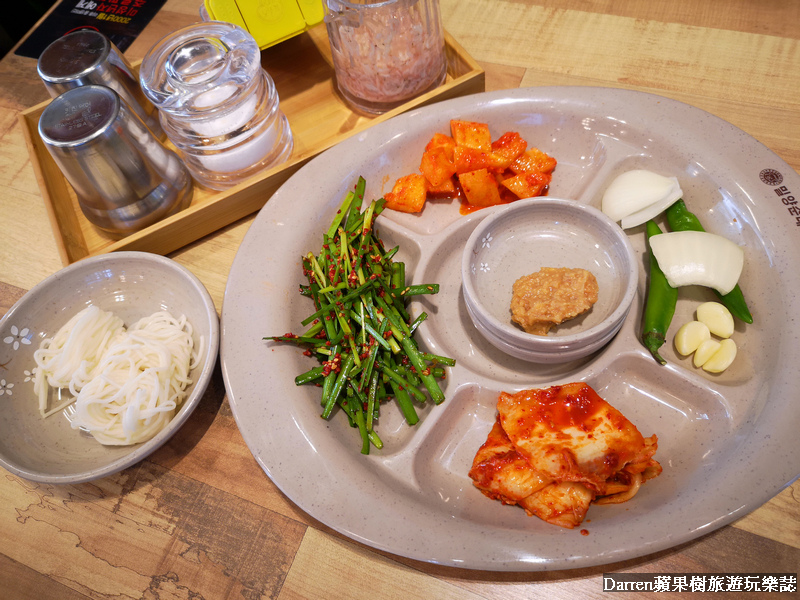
387 53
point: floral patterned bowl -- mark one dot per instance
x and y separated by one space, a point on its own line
519 239
132 285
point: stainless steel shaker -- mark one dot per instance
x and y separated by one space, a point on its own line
124 177
86 57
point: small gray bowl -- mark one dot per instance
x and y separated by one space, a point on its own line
132 285
519 239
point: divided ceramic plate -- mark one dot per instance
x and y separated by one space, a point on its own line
728 442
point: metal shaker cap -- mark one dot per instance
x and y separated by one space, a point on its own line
76 118
73 56
87 57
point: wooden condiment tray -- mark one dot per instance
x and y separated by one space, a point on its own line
303 73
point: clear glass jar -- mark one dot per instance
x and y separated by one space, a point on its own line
385 52
217 105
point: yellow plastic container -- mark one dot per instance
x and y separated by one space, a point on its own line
268 21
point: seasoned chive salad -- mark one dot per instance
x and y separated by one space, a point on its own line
360 331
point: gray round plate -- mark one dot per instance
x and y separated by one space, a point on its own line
727 443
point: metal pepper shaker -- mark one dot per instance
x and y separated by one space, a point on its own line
124 177
87 57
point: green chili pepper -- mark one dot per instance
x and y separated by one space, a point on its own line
681 219
660 306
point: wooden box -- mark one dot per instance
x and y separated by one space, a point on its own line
303 73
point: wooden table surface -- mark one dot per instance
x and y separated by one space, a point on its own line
199 518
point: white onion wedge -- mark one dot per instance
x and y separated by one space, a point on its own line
698 258
639 195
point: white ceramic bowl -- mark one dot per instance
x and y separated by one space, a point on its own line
132 285
519 239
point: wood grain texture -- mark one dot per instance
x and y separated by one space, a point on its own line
199 519
631 50
8 296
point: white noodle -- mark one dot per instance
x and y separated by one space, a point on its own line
128 384
69 359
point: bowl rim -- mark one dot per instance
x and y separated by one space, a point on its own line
520 339
201 380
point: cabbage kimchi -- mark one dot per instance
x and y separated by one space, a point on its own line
555 451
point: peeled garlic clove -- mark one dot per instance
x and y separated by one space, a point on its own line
638 195
722 358
698 258
717 317
690 336
705 351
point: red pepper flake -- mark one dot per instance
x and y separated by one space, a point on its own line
584 532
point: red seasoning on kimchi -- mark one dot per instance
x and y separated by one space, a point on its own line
555 451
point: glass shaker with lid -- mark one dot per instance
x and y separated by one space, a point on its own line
217 104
